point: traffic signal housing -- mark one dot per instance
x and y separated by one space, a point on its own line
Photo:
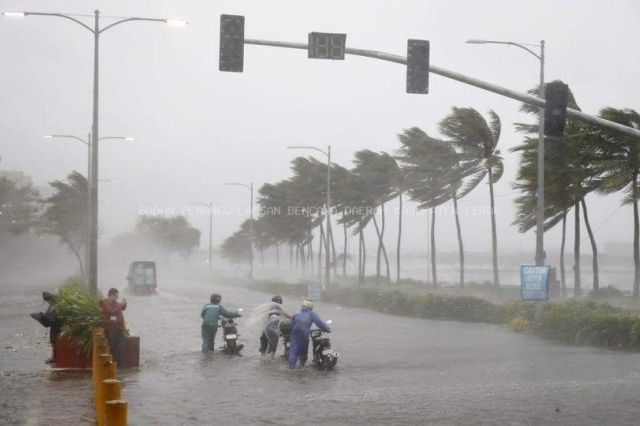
326 45
417 66
555 109
231 43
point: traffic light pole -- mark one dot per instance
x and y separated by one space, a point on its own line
522 97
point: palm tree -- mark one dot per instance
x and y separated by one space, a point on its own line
618 163
569 177
476 139
379 174
436 174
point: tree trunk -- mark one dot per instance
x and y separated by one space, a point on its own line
262 258
360 257
434 275
563 278
297 256
576 251
399 239
277 256
494 234
290 256
320 247
381 250
344 250
460 246
636 246
364 254
333 250
594 247
76 252
384 249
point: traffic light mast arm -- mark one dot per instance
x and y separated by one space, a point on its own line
522 97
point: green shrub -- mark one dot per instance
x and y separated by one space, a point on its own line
78 312
607 293
591 323
512 310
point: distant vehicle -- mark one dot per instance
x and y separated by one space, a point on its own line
142 277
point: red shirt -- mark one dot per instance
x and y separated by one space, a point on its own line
112 317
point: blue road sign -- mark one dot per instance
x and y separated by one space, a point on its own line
534 282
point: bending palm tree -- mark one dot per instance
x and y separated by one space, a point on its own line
476 139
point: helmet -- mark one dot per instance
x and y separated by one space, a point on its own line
215 298
277 299
306 303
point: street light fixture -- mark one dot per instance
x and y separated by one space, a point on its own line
251 236
327 274
96 31
540 257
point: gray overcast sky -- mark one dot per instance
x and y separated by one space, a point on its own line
197 127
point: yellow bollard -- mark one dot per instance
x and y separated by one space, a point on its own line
112 389
105 371
116 413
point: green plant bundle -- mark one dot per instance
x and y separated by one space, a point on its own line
78 312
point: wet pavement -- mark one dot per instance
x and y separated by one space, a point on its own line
392 370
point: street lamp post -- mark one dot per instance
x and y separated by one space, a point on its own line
209 205
96 31
87 143
327 275
251 235
540 256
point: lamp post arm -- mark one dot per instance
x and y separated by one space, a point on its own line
309 147
71 137
60 15
129 20
511 43
237 184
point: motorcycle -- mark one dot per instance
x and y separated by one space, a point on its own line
324 357
230 336
284 328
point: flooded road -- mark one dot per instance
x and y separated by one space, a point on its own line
392 370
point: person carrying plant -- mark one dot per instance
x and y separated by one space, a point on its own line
113 322
211 313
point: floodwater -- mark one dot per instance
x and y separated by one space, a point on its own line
392 370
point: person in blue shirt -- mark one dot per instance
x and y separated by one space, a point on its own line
211 313
300 327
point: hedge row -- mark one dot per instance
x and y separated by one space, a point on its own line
574 322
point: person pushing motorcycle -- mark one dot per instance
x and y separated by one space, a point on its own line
300 327
211 313
269 336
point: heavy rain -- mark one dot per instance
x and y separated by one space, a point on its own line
361 212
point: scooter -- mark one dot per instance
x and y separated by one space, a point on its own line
324 357
284 327
230 336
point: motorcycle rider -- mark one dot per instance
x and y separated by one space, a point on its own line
269 336
300 326
211 313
